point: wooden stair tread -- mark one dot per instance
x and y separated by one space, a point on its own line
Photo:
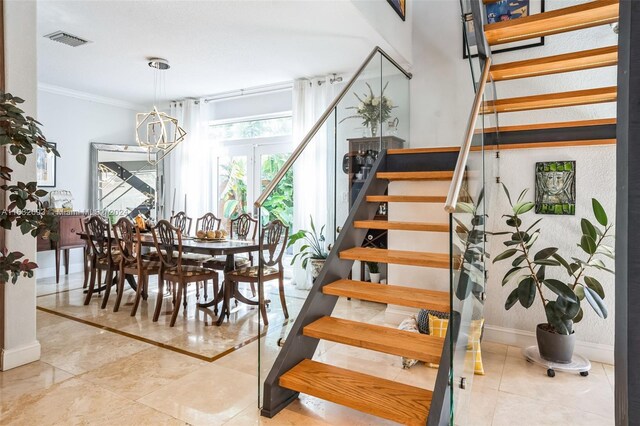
391 294
439 175
552 100
398 257
401 226
571 18
381 397
378 338
554 125
560 144
574 61
406 198
438 149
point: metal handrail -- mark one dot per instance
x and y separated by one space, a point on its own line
321 121
458 174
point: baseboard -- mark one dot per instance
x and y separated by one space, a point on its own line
15 357
51 271
523 338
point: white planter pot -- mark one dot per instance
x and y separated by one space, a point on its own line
375 277
316 266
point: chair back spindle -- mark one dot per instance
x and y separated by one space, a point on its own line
274 243
99 237
242 226
165 238
208 222
181 221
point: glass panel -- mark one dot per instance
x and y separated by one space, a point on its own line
468 244
280 204
232 187
373 115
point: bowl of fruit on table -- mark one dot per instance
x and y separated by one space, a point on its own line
218 235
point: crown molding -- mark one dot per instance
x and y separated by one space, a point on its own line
85 96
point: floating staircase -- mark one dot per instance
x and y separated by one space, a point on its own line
295 371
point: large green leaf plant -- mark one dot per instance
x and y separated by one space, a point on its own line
562 299
313 245
21 134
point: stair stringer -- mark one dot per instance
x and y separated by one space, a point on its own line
298 347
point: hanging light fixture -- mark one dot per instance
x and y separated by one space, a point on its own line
156 131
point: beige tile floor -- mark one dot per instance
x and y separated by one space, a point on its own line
90 375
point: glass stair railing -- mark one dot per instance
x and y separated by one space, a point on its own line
318 194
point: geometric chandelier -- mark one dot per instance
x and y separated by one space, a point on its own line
157 131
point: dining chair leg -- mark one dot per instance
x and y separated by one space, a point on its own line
216 289
176 307
87 268
142 280
184 294
156 313
120 288
197 291
99 280
107 288
263 305
92 286
206 292
282 298
253 289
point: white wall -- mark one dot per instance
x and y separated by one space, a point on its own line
387 22
73 121
18 312
440 103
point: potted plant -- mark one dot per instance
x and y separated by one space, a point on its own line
372 110
21 134
374 272
562 299
311 250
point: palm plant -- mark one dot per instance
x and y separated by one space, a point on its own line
313 247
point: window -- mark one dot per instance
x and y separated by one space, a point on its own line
255 128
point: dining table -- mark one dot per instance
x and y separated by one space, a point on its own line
228 248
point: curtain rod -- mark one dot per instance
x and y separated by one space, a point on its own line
258 90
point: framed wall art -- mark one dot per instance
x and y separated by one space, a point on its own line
500 11
400 6
556 187
45 167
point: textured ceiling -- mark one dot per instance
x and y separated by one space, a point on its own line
213 46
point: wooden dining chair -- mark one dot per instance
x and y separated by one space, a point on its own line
273 240
168 242
181 221
102 257
240 229
208 222
127 242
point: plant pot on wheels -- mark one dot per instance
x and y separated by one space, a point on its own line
553 346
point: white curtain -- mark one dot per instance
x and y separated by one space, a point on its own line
189 168
312 171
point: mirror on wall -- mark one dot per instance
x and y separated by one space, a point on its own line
124 182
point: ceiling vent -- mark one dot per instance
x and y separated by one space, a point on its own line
66 38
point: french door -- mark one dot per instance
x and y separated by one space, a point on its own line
245 168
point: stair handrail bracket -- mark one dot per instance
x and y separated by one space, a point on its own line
461 164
